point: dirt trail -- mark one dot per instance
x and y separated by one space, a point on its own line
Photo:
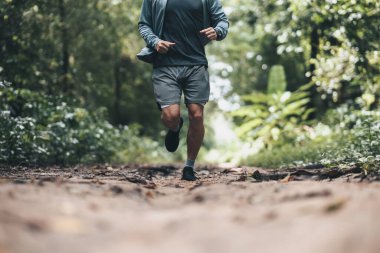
148 209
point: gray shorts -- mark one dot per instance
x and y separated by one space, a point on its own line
170 81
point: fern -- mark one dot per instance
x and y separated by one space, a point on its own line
277 113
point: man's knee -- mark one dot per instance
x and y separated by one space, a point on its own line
170 117
196 114
196 117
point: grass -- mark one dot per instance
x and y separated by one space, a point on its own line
291 155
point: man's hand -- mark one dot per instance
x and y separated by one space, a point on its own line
163 46
210 33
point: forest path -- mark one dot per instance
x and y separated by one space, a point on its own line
148 209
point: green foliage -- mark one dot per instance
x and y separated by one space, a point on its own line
334 44
276 80
51 51
39 129
353 140
273 117
18 139
330 45
82 49
292 155
360 131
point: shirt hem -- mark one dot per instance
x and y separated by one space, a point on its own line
180 64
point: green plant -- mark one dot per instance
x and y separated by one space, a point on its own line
351 140
360 130
276 80
309 152
19 140
41 129
275 116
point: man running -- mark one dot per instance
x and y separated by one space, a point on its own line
176 32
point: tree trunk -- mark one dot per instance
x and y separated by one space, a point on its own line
316 101
117 90
65 48
314 43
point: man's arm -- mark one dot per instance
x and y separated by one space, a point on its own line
145 25
146 31
219 20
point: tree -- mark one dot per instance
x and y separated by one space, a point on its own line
84 49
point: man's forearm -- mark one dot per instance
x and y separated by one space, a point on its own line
221 30
145 25
219 19
148 35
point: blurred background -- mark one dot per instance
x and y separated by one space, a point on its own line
295 83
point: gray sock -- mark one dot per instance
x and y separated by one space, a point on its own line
190 163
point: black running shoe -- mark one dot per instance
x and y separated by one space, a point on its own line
188 174
172 138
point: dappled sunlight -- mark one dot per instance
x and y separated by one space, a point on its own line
221 87
228 147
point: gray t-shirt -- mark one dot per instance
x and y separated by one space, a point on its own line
182 24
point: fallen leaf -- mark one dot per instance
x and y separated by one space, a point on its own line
235 170
335 205
287 179
150 185
97 181
149 195
136 180
242 178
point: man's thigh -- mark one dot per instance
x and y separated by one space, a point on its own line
196 88
166 88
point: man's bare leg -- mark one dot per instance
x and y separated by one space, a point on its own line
170 116
196 130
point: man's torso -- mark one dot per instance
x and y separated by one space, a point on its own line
182 25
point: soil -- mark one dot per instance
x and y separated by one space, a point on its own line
145 208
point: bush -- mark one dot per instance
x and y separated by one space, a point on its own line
18 139
359 131
275 116
353 139
41 129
